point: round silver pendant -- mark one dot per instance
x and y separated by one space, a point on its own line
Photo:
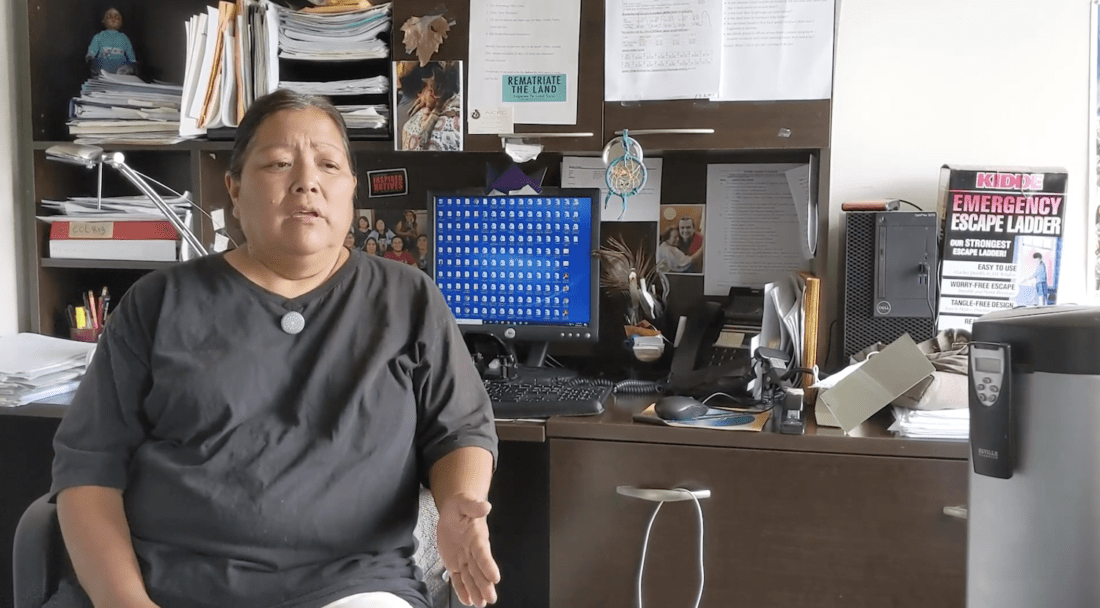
293 322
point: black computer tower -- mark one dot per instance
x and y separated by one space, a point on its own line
874 243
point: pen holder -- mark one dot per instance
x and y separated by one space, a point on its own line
85 335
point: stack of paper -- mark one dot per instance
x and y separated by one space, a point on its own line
113 208
34 367
365 116
375 85
117 109
932 424
347 36
234 52
342 36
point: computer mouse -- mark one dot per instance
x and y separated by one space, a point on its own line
679 407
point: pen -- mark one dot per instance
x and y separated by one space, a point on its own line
105 301
91 311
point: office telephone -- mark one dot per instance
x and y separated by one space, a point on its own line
715 352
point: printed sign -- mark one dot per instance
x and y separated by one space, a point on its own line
1002 240
387 182
533 87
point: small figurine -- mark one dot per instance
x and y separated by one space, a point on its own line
110 49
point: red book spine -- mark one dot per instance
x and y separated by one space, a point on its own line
146 230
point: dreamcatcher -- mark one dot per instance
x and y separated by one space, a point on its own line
625 175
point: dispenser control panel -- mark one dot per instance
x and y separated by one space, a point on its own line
991 416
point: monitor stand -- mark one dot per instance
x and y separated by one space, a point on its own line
534 367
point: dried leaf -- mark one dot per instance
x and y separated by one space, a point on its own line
423 35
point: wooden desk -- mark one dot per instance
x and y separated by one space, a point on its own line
817 520
820 519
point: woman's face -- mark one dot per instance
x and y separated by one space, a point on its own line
294 195
349 240
364 225
372 247
397 243
380 226
673 238
410 217
422 244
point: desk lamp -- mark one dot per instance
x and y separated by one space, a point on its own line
94 156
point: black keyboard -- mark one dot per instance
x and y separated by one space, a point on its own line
546 397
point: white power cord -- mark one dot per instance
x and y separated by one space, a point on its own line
645 543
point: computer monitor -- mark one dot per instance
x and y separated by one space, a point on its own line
521 267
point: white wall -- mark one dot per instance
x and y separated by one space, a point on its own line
985 82
10 254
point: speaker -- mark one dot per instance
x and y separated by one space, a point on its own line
862 327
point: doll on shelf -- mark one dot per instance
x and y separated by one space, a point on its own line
110 49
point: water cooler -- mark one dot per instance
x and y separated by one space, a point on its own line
1034 508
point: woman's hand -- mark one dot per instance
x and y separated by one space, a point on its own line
463 540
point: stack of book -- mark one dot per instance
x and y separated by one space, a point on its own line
123 109
37 368
116 228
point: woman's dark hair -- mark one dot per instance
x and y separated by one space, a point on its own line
668 232
267 105
1037 255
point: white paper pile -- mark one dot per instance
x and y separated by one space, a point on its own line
932 424
117 109
341 36
34 367
114 208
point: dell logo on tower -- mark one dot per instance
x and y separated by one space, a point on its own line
883 307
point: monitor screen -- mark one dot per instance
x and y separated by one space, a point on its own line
522 267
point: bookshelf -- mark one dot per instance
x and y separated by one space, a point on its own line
50 56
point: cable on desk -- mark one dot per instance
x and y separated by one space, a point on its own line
645 545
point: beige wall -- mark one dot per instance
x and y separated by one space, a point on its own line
980 82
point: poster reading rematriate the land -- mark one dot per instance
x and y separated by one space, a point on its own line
1002 240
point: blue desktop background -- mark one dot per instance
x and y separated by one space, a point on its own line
515 260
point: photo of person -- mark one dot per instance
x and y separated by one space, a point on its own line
427 103
408 227
381 234
397 252
361 230
1036 267
680 239
424 254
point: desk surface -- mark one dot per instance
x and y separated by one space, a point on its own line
616 424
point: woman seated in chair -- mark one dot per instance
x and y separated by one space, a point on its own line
255 425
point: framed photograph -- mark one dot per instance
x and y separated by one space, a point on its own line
427 106
680 239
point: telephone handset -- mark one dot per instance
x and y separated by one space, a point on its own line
714 354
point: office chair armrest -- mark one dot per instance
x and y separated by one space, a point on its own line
35 554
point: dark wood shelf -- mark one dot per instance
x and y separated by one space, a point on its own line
103 264
203 145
